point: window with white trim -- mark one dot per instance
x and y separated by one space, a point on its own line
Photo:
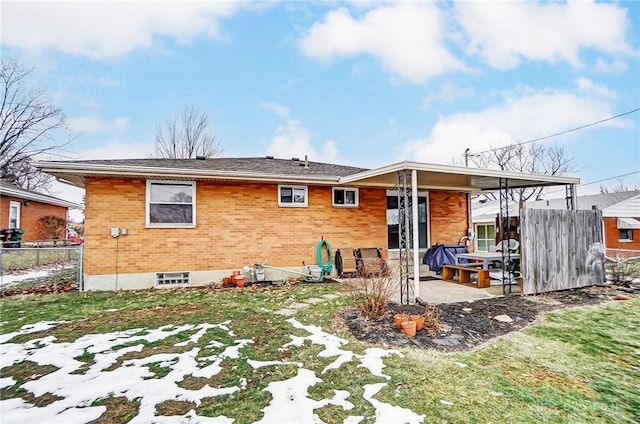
171 203
292 196
485 237
625 234
345 197
14 214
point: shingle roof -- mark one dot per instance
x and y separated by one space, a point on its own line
259 165
601 201
10 189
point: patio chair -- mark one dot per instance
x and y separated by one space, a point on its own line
511 244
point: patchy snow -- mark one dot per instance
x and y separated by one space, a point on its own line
6 382
259 364
372 360
117 369
387 413
331 344
11 279
291 402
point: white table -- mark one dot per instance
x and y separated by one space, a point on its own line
485 257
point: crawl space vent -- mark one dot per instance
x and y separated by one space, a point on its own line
173 279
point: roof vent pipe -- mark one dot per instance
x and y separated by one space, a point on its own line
306 161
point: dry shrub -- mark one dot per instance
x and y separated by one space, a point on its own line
372 294
432 321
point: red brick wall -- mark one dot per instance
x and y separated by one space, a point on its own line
448 216
612 236
30 216
236 225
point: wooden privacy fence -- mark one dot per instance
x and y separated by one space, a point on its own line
561 249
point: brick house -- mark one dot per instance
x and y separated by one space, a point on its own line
201 218
20 208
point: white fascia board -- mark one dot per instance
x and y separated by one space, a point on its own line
447 169
153 172
554 179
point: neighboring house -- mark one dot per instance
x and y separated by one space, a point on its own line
620 211
20 208
620 215
484 214
167 222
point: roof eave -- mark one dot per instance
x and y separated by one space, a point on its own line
36 197
153 172
537 179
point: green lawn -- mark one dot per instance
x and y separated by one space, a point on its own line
577 366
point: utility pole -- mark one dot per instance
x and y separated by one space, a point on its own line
468 155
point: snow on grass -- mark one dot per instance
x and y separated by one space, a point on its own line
259 364
372 360
386 413
11 279
331 344
111 372
6 382
291 402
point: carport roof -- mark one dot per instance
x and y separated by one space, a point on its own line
445 177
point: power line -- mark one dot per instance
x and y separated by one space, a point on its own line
599 181
562 132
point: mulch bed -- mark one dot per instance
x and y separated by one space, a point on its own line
466 325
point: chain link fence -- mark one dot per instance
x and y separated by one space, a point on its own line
40 270
623 266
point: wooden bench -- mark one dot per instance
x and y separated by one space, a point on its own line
464 274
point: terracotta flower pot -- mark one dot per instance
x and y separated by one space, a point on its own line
409 328
235 273
621 297
419 320
226 281
399 319
239 280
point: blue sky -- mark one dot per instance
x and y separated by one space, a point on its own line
362 83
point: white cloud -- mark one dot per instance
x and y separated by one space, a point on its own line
507 32
293 140
116 149
521 117
105 29
589 87
408 38
448 93
280 110
93 124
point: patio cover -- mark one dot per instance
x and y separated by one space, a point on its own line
451 178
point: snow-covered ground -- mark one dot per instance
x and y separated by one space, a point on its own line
11 279
78 386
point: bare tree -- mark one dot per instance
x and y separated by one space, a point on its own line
619 187
186 136
526 158
29 126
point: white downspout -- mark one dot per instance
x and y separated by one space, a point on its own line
416 233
